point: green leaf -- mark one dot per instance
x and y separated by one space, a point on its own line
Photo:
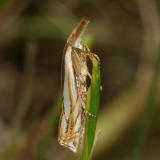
92 107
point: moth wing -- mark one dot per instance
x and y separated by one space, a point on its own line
79 61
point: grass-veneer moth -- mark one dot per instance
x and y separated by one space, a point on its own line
74 74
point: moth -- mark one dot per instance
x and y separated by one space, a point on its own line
74 74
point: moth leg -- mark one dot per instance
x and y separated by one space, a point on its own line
91 55
86 112
83 103
89 75
85 50
88 53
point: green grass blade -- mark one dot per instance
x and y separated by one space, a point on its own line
92 107
146 121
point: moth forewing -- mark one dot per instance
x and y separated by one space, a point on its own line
79 64
71 115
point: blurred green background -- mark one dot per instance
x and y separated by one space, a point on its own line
124 34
